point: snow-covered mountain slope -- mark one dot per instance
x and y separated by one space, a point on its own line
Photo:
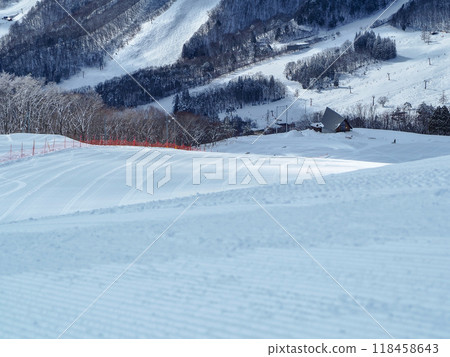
407 72
19 8
225 268
158 43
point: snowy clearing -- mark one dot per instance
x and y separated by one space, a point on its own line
70 226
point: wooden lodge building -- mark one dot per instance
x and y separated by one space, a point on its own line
332 122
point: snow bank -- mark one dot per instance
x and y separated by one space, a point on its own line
225 269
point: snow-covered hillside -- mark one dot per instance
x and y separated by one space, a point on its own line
224 267
19 8
159 42
359 145
407 75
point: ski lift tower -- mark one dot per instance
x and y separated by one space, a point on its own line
280 109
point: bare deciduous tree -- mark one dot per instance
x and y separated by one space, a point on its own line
383 100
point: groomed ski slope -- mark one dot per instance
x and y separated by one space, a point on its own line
159 42
225 269
87 178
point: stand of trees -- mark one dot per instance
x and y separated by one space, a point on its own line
426 119
323 69
439 123
159 82
326 13
247 90
432 15
374 46
28 105
50 44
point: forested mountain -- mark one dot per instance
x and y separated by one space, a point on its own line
48 43
271 20
235 17
431 15
238 33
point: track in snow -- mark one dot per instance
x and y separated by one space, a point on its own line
225 269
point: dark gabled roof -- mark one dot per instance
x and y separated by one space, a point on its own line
331 121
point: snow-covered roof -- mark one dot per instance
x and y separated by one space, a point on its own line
331 121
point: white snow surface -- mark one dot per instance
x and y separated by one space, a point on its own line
19 8
69 226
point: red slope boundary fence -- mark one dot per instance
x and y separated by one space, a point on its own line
120 142
20 151
23 150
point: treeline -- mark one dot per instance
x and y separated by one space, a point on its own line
426 119
247 90
322 70
431 15
28 105
326 13
159 82
50 44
